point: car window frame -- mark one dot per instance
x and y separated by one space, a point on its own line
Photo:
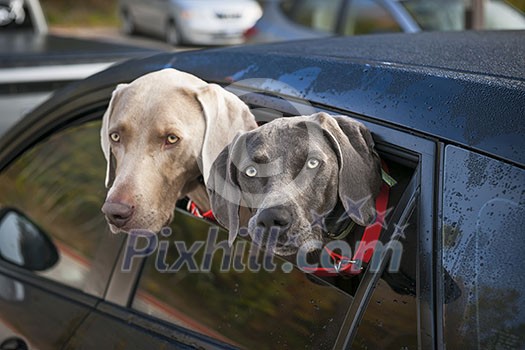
413 147
422 195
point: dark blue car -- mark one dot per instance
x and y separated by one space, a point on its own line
447 113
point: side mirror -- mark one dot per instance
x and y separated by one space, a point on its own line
23 243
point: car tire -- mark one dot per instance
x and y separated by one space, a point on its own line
172 34
128 26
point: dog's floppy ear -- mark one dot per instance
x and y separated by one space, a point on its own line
225 114
224 190
104 138
359 165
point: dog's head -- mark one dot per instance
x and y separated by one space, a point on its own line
159 134
292 172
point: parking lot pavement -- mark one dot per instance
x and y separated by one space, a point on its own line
113 34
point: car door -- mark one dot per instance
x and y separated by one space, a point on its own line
188 286
56 253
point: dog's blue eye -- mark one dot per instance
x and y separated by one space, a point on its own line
312 163
114 136
250 171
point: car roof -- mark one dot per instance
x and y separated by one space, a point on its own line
488 53
466 88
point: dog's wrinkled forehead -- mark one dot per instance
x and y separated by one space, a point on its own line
141 109
284 145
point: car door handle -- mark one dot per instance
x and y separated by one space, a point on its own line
13 343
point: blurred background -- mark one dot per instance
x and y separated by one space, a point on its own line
201 22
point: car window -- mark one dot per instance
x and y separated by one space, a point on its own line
59 186
239 301
320 15
483 245
390 321
367 17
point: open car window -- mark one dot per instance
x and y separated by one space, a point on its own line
220 295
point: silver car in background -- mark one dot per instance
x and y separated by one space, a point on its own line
198 22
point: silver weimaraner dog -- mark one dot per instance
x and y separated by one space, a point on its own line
290 173
160 136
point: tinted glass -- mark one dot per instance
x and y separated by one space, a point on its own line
238 305
390 321
483 220
366 17
59 185
320 15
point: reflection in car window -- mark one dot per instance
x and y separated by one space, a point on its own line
390 321
253 310
483 220
367 17
320 15
59 185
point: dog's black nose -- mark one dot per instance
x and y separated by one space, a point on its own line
279 217
118 214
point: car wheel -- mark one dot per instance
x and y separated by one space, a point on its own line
128 27
172 34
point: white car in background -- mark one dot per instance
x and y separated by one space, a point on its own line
199 22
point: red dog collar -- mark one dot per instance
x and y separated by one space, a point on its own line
195 211
343 265
365 249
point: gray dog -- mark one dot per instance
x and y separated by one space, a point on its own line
297 176
160 136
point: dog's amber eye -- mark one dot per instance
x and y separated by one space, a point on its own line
171 139
312 163
114 136
250 171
